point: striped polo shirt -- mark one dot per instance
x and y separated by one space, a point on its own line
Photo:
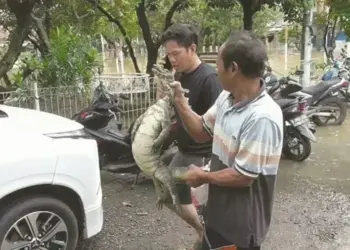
247 136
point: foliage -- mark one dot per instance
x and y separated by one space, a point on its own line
74 13
88 20
293 9
157 10
213 23
341 9
294 35
266 18
71 60
124 11
69 54
216 22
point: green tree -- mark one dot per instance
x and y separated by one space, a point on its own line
70 60
216 23
142 11
294 35
17 19
249 8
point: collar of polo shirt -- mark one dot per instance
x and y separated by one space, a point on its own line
238 107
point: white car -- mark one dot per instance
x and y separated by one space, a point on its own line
50 183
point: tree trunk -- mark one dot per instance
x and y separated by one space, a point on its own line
42 33
41 26
152 48
122 30
326 33
111 42
333 31
248 19
171 11
22 11
248 13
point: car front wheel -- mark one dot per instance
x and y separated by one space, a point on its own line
38 222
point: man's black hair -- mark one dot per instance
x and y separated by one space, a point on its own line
184 34
248 51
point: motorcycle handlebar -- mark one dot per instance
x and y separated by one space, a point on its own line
119 110
344 55
268 68
124 97
115 98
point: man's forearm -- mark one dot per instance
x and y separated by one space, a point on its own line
227 177
192 122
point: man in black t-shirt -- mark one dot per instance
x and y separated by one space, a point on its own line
181 42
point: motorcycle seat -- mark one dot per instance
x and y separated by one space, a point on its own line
320 87
284 103
119 135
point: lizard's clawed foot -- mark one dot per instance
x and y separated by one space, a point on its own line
159 204
178 85
185 91
135 180
178 209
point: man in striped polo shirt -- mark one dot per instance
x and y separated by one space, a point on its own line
247 130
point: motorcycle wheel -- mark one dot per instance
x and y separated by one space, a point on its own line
102 160
288 149
341 104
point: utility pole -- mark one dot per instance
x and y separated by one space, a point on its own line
306 43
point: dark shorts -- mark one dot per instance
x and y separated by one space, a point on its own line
184 160
217 241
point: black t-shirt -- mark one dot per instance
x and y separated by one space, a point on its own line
204 88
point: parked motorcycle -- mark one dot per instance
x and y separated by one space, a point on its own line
103 120
342 70
272 84
297 131
323 98
338 68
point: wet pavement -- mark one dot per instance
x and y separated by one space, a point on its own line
311 210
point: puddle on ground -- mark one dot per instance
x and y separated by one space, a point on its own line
329 162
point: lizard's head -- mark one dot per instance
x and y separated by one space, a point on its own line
162 78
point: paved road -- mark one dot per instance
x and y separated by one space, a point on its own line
311 208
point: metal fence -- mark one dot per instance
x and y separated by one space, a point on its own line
67 101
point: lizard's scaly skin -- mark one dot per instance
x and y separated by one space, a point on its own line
147 136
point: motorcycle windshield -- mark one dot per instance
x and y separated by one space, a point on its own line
104 105
103 100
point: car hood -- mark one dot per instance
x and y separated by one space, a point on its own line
41 122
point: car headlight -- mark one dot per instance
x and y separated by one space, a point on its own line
75 134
